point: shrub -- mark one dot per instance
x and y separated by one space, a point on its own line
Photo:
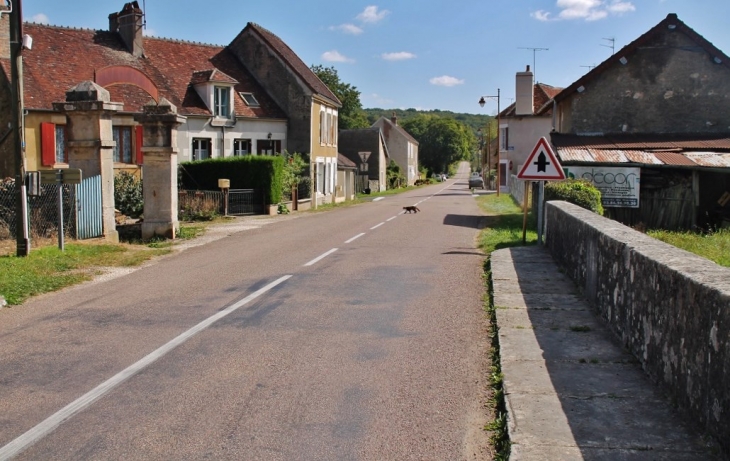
295 170
128 196
197 207
396 178
576 191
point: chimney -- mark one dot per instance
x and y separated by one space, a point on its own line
394 119
525 93
128 23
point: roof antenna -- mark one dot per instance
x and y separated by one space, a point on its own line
144 14
612 45
534 51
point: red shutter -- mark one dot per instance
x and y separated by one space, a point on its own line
139 132
48 144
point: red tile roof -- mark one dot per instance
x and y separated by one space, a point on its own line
63 57
671 21
294 62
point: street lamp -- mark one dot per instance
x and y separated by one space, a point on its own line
483 101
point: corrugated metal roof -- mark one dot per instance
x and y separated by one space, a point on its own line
591 155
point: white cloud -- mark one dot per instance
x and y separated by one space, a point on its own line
371 15
335 56
398 56
40 18
446 80
351 29
541 15
587 10
380 100
148 32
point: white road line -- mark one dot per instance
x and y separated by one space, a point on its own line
376 226
377 199
355 238
320 257
52 422
390 219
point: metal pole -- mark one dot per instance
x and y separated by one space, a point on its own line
498 146
540 217
59 185
524 217
16 96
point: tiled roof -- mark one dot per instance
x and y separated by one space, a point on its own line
345 162
63 57
645 149
294 62
671 21
388 125
542 98
210 76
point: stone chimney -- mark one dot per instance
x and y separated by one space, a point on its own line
128 23
525 93
394 119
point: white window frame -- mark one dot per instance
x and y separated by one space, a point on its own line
237 151
194 151
222 108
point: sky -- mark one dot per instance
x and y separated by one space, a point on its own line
421 54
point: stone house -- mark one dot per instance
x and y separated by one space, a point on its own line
523 123
228 112
368 144
402 147
650 126
311 107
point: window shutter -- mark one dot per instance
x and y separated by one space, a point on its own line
139 132
48 143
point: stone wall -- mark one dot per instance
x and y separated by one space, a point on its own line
670 308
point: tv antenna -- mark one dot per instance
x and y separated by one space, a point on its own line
534 52
612 45
590 67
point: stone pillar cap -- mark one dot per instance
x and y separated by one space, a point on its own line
87 91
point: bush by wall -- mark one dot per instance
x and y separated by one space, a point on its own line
263 173
128 196
576 191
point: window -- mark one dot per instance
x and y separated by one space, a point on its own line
241 146
61 152
123 149
201 148
249 99
322 128
268 146
503 138
222 102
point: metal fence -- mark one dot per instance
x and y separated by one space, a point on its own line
42 211
205 203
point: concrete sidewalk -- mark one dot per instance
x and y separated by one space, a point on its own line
572 392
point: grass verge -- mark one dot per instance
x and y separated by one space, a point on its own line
714 246
503 229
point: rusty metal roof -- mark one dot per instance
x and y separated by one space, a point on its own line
591 155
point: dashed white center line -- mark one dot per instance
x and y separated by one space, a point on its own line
376 226
390 219
320 257
355 238
52 422
377 199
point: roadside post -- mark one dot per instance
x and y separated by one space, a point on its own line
542 165
60 177
225 186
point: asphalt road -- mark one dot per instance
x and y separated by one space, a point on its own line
355 334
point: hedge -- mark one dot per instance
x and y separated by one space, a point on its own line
576 191
264 173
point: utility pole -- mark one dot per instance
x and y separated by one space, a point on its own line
17 118
612 45
534 51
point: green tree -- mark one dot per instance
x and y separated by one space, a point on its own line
351 114
441 141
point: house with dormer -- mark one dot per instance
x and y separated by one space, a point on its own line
650 127
227 112
311 107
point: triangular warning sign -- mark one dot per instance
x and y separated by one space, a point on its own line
542 164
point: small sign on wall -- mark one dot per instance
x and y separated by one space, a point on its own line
619 186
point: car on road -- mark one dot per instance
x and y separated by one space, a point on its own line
476 181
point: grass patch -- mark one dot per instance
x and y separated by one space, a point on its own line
714 246
504 223
49 269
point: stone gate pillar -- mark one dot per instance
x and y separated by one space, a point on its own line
159 181
90 142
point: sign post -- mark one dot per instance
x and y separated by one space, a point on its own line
542 165
59 177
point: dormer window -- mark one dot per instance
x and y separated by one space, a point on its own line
222 103
249 99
